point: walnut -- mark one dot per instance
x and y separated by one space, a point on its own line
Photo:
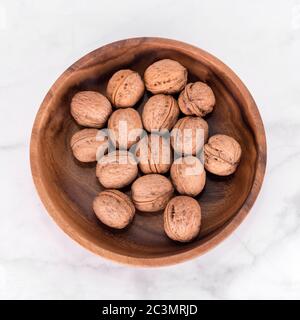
114 208
188 175
165 76
189 135
154 153
182 219
196 99
160 112
125 127
89 144
117 169
222 155
90 109
125 88
151 193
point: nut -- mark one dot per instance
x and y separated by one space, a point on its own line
188 175
165 76
125 88
117 169
114 208
89 144
196 99
154 153
222 155
151 192
182 219
90 109
189 135
160 112
125 127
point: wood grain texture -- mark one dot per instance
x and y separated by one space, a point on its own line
67 187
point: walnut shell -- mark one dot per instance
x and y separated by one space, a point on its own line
117 169
154 153
125 88
182 219
125 127
196 99
160 112
89 144
188 175
222 155
165 76
114 208
189 135
151 193
90 109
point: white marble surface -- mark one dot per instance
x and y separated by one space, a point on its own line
260 40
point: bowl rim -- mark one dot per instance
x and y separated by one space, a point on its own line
229 227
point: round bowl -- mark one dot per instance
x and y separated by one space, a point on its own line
67 188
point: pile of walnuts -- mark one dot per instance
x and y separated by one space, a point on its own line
143 160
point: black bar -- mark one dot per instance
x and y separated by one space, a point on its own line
145 309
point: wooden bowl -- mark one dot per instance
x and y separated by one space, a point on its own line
67 187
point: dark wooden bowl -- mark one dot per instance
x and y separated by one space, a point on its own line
67 187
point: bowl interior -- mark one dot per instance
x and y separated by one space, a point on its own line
71 186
